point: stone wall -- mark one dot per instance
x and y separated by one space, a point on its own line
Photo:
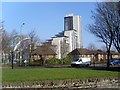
68 84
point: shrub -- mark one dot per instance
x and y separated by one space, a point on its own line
53 61
35 63
67 60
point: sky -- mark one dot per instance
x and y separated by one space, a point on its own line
47 18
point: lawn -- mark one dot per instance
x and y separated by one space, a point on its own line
36 74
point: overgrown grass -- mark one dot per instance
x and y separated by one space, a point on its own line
36 74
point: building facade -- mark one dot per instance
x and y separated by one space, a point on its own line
70 38
72 24
97 56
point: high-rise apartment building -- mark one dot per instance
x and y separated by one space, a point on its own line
70 38
73 24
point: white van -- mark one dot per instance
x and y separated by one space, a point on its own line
81 62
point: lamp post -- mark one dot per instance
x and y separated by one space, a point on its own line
12 51
21 29
20 54
15 48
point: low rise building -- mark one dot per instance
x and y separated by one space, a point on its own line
95 55
44 52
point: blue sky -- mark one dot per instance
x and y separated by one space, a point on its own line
46 18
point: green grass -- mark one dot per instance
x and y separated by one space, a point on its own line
36 74
0 75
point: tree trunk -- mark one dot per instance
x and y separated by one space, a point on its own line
19 59
12 58
29 58
2 57
108 59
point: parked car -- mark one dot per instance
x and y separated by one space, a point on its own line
115 62
81 62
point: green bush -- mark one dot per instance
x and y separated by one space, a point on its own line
36 62
53 61
67 60
6 61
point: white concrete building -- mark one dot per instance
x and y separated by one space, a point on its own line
73 24
70 37
71 40
60 46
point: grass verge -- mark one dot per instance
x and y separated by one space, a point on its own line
36 74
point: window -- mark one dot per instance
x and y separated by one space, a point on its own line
76 59
68 23
80 60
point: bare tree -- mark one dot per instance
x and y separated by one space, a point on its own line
116 25
6 45
103 48
0 45
106 21
64 49
8 42
34 41
14 37
113 49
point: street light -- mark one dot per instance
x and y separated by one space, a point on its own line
16 46
21 28
12 52
21 39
